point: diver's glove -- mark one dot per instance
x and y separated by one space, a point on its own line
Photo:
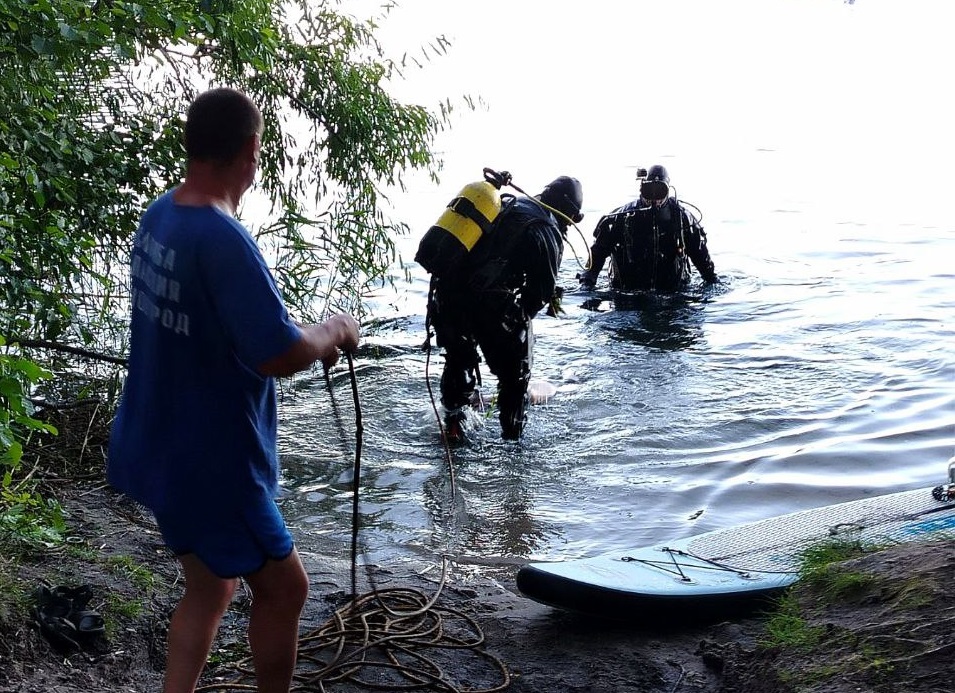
588 280
554 308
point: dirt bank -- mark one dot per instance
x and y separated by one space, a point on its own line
891 632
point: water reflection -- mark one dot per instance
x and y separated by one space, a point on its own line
673 415
490 518
671 322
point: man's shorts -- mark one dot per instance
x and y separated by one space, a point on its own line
232 541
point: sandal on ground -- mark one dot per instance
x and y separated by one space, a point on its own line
87 623
50 612
78 597
63 618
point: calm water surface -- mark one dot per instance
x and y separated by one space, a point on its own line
820 371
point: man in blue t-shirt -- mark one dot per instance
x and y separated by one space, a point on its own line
194 438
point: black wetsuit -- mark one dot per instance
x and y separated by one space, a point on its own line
650 248
506 279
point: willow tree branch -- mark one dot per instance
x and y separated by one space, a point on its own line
66 348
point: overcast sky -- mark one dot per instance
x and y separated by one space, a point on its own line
860 90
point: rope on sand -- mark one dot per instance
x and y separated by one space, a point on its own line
394 639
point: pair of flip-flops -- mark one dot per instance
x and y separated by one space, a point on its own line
65 619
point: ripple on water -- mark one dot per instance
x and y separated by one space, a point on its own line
810 386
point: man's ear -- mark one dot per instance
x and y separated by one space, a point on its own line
252 148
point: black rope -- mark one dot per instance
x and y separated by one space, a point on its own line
356 476
401 634
427 380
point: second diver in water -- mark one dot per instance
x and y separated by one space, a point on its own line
650 241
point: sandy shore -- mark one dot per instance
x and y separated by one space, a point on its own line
475 632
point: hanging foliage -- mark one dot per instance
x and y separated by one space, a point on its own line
92 99
91 103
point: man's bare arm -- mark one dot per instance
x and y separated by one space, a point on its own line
319 342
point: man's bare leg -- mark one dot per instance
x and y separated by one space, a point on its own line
194 624
279 591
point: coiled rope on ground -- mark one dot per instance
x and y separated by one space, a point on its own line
392 639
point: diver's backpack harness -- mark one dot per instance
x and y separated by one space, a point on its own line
633 227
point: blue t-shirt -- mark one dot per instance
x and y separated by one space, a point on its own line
197 423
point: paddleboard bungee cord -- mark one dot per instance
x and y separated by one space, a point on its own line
675 567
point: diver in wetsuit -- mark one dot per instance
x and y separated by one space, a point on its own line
650 242
490 301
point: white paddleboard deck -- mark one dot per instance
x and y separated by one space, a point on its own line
730 569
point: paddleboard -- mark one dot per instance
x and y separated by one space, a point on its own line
727 571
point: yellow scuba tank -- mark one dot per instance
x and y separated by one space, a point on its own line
462 224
